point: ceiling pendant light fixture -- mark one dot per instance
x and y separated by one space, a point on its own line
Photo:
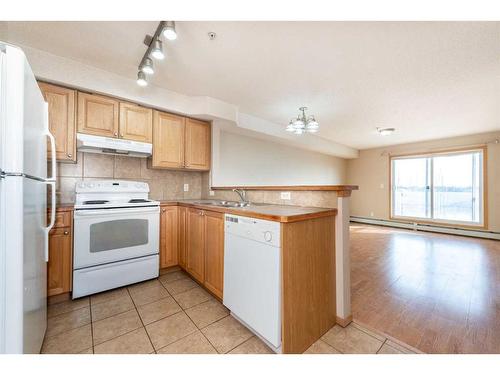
141 79
155 49
303 124
147 66
169 30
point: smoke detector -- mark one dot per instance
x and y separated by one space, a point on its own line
212 35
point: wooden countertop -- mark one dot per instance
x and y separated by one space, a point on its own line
272 212
292 187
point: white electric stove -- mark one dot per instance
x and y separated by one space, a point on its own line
116 235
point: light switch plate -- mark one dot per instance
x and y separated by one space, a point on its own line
186 187
212 193
381 186
286 195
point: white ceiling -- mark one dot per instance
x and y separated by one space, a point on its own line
427 79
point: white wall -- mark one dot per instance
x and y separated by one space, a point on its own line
246 161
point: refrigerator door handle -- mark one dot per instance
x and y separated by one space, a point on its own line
52 182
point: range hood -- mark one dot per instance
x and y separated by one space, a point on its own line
113 146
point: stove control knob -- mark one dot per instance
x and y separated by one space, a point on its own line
268 236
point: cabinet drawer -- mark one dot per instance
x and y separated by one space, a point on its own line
63 219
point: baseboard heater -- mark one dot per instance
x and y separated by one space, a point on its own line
428 228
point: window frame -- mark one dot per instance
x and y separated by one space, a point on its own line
483 224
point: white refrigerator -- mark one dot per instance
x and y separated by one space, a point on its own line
23 204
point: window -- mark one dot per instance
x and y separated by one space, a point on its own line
444 187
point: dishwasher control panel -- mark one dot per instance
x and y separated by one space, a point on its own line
264 231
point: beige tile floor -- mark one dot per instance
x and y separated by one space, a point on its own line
172 314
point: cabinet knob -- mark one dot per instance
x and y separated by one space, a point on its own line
115 134
163 210
69 155
66 232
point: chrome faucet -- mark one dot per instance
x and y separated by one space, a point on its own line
242 195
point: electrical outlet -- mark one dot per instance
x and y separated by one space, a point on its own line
186 187
286 195
371 214
212 193
381 186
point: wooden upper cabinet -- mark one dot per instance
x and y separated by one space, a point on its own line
214 252
198 145
182 213
97 115
61 103
168 237
195 247
136 122
168 140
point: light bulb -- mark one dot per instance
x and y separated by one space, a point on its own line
147 66
141 79
157 51
290 127
299 124
298 131
169 31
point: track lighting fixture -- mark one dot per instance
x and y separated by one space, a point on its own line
155 49
169 30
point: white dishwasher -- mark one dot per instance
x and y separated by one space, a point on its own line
252 275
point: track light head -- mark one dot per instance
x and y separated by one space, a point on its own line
169 30
157 51
147 66
141 79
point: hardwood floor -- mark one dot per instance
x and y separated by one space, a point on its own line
438 293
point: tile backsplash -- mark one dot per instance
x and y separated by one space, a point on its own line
163 184
327 199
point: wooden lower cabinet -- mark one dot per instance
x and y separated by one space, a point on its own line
168 236
214 252
182 215
204 247
195 244
60 265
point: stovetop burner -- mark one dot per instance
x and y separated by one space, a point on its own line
100 201
139 201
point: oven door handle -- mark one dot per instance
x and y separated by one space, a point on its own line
118 211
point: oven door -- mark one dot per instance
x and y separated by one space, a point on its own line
110 235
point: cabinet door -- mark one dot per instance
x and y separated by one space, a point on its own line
168 140
136 123
214 252
168 237
198 146
182 212
195 259
59 267
97 115
61 103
